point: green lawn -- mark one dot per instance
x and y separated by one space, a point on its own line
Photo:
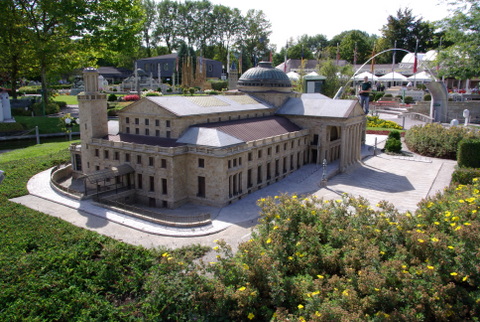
69 99
45 124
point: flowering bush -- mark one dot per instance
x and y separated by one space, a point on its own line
437 141
128 98
375 121
342 259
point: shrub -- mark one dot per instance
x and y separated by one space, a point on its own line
469 153
211 92
408 100
434 140
394 135
427 97
50 108
465 175
219 85
375 121
153 94
10 127
112 98
393 145
61 104
388 95
129 98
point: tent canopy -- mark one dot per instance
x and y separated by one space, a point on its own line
393 77
421 77
361 76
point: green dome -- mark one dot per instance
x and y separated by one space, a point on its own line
264 75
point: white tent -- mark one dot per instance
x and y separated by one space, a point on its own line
293 76
393 77
313 74
421 77
361 76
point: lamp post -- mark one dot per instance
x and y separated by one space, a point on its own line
68 125
324 173
466 115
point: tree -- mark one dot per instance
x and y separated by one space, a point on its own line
255 39
355 46
461 60
336 76
167 27
149 24
404 30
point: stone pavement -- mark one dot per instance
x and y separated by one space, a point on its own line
403 181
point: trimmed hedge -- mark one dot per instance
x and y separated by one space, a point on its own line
469 153
465 175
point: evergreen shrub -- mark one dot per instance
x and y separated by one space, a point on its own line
393 144
112 98
463 175
50 108
469 153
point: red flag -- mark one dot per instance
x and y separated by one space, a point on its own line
415 64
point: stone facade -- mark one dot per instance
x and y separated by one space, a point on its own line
211 150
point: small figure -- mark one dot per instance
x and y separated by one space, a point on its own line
365 89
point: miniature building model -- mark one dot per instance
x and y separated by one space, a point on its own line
212 150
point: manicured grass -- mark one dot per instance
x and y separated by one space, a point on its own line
45 124
69 99
36 151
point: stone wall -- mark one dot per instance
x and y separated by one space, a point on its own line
455 110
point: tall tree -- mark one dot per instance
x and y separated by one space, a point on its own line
149 7
356 43
167 27
255 37
336 76
405 29
461 59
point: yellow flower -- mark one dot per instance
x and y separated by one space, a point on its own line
451 247
461 201
242 288
453 274
275 227
377 289
465 278
216 248
251 316
320 276
420 240
294 197
315 293
430 267
382 252
436 223
165 255
467 224
269 241
458 228
318 313
435 239
448 213
300 306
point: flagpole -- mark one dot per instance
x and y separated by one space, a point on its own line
393 62
415 66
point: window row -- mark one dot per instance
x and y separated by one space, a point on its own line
286 146
136 121
163 184
147 132
128 158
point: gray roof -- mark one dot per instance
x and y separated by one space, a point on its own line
198 105
222 134
317 105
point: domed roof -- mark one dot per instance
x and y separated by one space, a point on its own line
264 75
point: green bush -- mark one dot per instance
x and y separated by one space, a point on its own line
408 100
50 108
112 98
219 85
61 104
393 145
342 260
434 140
427 97
469 153
377 96
388 95
10 127
394 135
463 175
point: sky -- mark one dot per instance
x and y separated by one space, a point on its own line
330 17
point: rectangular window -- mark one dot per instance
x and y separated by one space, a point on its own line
284 146
139 159
201 187
97 152
137 130
152 183
249 178
97 168
163 163
249 156
229 164
269 151
116 155
168 134
259 174
277 148
157 122
284 164
201 163
128 130
151 161
127 157
157 133
240 161
137 121
105 154
147 122
147 132
164 186
268 171
139 181
259 154
234 162
127 120
167 123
